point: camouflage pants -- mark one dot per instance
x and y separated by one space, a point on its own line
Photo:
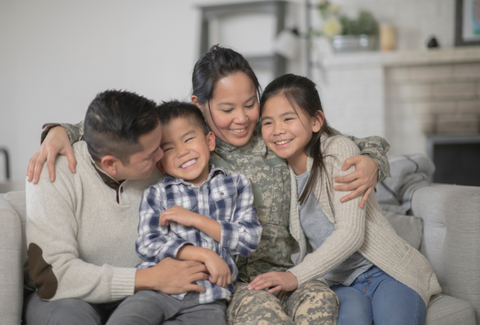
312 303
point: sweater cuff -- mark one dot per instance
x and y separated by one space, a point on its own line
123 283
301 276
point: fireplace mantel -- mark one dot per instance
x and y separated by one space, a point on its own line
402 96
404 58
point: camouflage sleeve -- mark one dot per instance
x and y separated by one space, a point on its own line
74 131
376 148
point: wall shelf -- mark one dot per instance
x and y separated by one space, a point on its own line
274 62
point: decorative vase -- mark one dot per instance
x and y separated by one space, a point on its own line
354 43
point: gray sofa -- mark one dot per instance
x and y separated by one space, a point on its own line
450 240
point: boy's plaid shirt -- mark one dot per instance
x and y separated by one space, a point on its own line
227 199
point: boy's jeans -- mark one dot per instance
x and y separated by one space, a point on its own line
377 297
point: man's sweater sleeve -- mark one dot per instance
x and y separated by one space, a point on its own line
55 266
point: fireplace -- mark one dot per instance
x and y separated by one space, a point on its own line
420 101
456 158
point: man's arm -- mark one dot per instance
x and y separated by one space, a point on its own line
172 277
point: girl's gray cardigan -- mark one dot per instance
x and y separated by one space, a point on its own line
364 230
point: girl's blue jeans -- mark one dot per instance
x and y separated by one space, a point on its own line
377 298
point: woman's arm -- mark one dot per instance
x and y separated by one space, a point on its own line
371 167
56 139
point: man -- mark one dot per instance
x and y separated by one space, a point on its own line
81 229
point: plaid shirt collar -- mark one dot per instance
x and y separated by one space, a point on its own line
169 180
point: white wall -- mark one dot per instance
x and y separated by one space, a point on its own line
56 55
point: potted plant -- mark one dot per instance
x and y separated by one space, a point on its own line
345 33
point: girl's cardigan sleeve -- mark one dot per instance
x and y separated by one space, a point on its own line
348 218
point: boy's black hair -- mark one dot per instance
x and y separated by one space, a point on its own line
115 120
167 111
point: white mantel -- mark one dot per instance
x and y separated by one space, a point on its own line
402 96
404 58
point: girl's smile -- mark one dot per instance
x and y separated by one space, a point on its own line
287 131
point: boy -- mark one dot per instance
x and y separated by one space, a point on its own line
197 212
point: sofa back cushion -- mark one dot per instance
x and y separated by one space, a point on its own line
409 228
17 200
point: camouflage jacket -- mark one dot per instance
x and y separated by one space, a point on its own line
270 180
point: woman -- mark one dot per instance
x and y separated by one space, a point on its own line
226 90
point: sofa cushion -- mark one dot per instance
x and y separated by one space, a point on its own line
11 275
449 310
18 200
410 228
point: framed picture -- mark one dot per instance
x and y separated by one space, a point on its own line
467 23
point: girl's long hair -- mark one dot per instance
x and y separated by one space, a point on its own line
302 94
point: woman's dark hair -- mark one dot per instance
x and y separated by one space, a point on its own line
219 62
302 93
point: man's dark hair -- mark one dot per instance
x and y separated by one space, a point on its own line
114 122
174 109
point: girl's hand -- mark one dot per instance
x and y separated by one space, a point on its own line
362 181
56 142
218 269
179 215
276 281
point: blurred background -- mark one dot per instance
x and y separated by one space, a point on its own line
413 78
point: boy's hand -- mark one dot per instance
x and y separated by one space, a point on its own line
179 215
276 281
220 273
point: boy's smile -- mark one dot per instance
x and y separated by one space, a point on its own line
186 150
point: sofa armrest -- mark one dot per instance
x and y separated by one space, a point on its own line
11 272
451 240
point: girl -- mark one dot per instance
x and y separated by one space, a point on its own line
226 89
376 275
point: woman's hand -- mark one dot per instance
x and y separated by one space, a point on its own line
276 281
56 142
362 181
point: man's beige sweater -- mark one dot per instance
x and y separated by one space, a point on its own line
364 230
81 241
